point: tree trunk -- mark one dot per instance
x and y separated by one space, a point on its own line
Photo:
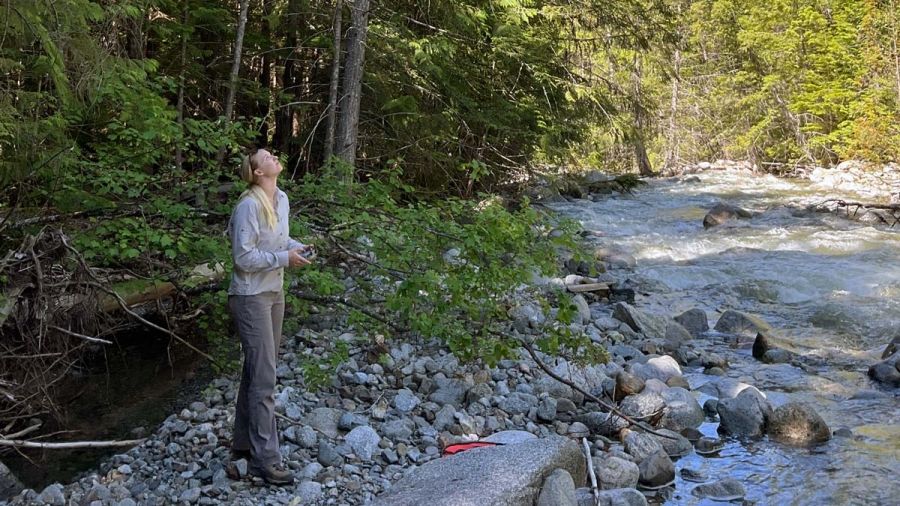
640 120
263 104
895 49
335 78
236 65
179 154
235 69
672 153
348 127
284 112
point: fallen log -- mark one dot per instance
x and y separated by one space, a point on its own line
71 445
601 288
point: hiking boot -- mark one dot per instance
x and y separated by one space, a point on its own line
274 474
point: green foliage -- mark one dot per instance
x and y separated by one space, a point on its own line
445 269
318 371
786 81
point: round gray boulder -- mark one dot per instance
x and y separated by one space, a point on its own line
798 423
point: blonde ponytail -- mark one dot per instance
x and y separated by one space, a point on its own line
257 193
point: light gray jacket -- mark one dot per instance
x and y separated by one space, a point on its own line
260 253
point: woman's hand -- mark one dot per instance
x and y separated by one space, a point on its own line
295 258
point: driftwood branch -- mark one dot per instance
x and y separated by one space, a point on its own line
118 298
80 336
345 302
17 443
590 465
587 395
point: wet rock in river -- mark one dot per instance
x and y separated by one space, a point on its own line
744 415
650 325
682 410
722 213
656 471
887 371
798 423
765 350
615 497
694 320
741 324
728 489
614 472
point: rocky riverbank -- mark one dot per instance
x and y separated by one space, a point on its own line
389 417
349 443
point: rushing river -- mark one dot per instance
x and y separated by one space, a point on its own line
828 285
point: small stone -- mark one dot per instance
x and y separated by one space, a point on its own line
52 495
405 400
190 495
327 455
363 440
613 472
723 490
309 491
708 445
558 490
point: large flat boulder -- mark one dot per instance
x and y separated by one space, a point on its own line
510 475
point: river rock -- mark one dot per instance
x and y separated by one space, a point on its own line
363 440
327 455
744 415
627 384
602 423
675 444
643 405
662 368
405 400
650 325
694 320
546 410
721 213
798 423
616 497
892 347
398 430
682 410
584 311
558 490
309 491
725 388
741 324
614 472
657 471
676 335
777 356
589 377
641 445
9 484
511 474
324 420
887 371
508 437
449 391
728 489
518 403
52 495
527 318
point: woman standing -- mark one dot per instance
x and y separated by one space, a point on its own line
261 249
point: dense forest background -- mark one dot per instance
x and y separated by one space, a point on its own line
103 95
121 123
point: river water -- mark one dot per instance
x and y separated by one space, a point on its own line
828 285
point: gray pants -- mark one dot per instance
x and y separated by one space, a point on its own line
258 319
